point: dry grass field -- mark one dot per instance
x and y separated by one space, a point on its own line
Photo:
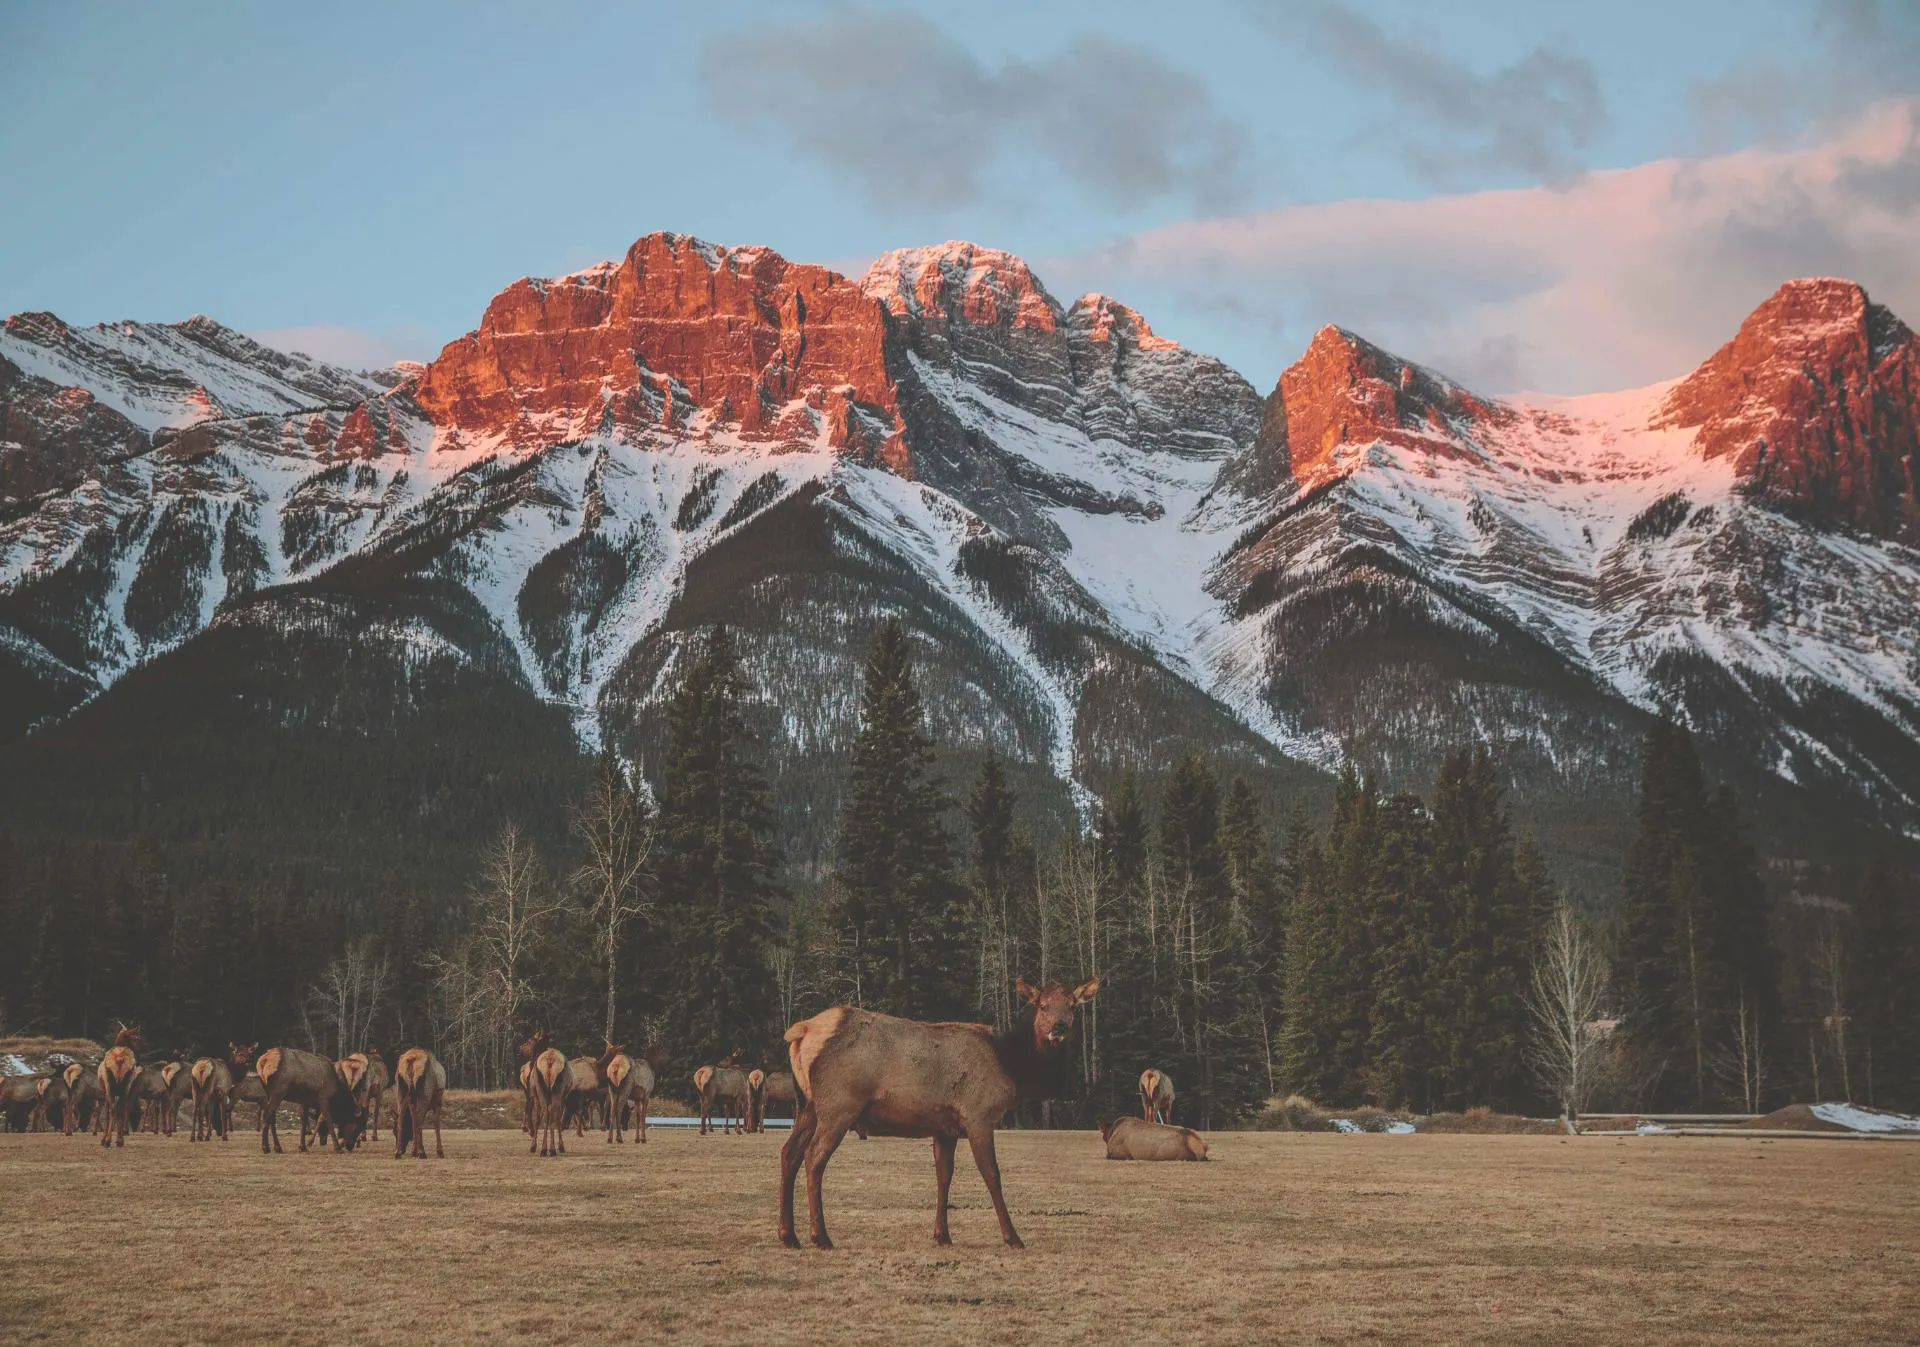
1283 1237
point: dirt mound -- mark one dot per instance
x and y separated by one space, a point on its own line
1792 1118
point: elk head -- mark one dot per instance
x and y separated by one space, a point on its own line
537 1042
128 1037
1054 1008
655 1056
240 1057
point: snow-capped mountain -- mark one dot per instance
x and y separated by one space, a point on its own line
1108 547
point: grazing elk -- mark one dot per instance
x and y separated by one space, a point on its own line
1156 1096
904 1078
116 1074
777 1088
373 1090
726 1085
549 1081
53 1092
213 1089
1137 1139
317 1086
419 1085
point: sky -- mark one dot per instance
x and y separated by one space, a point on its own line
1521 194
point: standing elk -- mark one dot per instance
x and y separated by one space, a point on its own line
83 1098
777 1088
143 1105
178 1083
905 1078
587 1090
1156 1096
636 1091
725 1085
419 1085
317 1086
116 1074
21 1100
1137 1139
549 1081
755 1079
213 1086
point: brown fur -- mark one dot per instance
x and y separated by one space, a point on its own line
905 1078
116 1075
373 1091
548 1084
1156 1096
317 1086
213 1086
83 1098
727 1086
779 1087
419 1083
587 1092
755 1079
1137 1139
638 1090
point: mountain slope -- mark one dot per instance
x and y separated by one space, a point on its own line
1107 547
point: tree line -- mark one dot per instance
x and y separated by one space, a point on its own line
1407 952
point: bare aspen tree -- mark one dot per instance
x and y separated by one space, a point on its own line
1564 1000
1829 958
1078 888
615 828
347 999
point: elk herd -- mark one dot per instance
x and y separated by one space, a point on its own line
850 1070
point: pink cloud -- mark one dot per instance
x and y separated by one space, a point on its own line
1620 278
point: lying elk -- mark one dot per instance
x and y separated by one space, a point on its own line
549 1081
727 1086
1156 1096
213 1086
317 1086
116 1074
1136 1139
83 1098
904 1078
630 1083
419 1085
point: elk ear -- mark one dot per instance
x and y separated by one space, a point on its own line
1028 992
1084 992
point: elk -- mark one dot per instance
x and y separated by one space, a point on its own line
419 1084
588 1088
52 1091
549 1081
213 1088
23 1099
778 1087
726 1085
635 1091
755 1079
905 1078
176 1084
249 1090
83 1098
373 1090
317 1086
1156 1096
116 1074
1137 1139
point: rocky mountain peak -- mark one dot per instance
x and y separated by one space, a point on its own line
1345 393
680 336
965 283
1816 400
1101 318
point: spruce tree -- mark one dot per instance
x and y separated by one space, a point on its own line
1401 909
716 866
902 910
1134 1035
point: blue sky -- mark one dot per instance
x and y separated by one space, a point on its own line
360 179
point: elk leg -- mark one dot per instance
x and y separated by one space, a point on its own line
989 1166
641 1121
790 1156
826 1140
943 1148
439 1151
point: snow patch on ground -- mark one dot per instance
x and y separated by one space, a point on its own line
1860 1119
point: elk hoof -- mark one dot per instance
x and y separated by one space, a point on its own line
788 1238
1015 1242
942 1238
820 1241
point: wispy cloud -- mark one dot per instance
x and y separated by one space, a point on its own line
1623 278
1532 117
350 347
912 116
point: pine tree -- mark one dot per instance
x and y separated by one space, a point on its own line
903 912
1401 909
716 866
1134 1036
